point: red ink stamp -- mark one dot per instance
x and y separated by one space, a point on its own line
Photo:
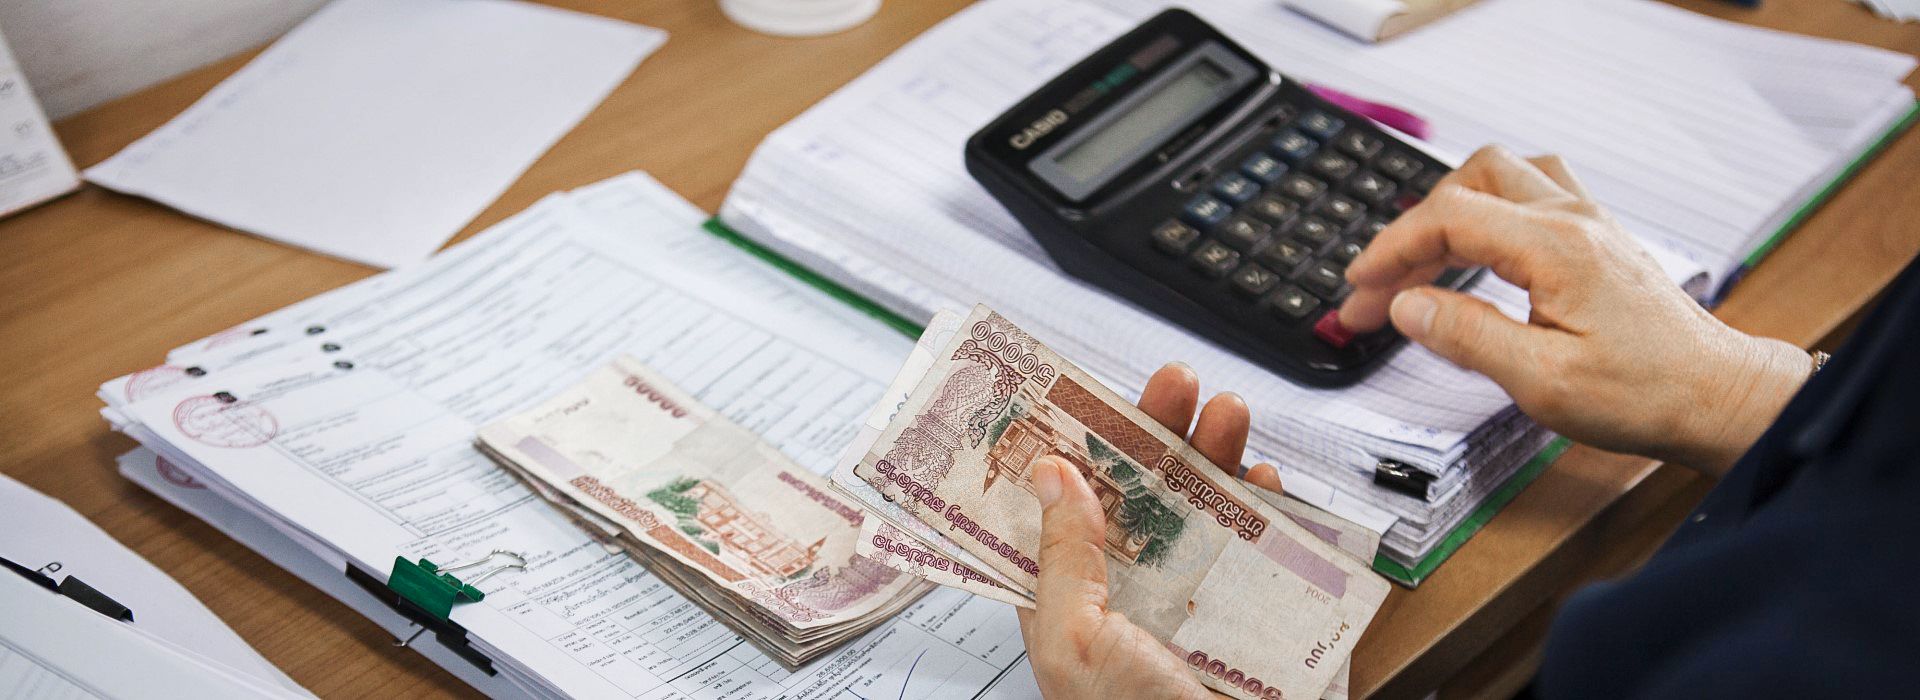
147 381
225 423
175 475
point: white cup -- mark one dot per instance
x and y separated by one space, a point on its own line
799 17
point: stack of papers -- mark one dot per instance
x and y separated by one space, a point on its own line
1705 138
50 646
377 129
337 434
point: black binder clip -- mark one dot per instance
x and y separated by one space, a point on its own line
425 594
1402 477
75 589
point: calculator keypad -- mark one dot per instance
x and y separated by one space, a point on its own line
1274 209
1263 168
1279 230
1243 232
1332 166
1253 280
1236 189
1301 187
1215 260
1320 125
1293 146
1174 238
1206 212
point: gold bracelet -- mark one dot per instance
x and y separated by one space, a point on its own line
1819 362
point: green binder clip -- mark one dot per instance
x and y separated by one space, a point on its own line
434 588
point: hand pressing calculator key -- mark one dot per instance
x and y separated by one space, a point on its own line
1175 169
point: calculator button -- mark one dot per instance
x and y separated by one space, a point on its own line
1263 168
1243 232
1399 166
1329 330
1293 146
1332 165
1319 125
1316 231
1425 183
1174 238
1371 227
1253 280
1358 144
1236 189
1206 212
1292 302
1274 209
1215 260
1342 210
1285 254
1324 277
1372 188
1301 187
1347 250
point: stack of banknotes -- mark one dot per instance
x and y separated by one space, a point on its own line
1261 596
724 518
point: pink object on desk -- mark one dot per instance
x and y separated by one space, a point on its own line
1386 114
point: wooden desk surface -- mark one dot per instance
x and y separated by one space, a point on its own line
98 285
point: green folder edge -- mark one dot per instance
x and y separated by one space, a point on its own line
1405 575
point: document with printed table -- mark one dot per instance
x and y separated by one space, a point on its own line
1707 139
337 435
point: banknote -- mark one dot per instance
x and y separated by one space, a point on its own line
1190 551
918 362
712 509
884 543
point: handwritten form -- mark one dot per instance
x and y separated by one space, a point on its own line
377 129
1701 135
371 454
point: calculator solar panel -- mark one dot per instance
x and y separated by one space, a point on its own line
1176 170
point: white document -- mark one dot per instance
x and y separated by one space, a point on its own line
33 167
43 534
367 448
377 129
52 648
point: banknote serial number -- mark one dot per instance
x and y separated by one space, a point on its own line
1201 493
1021 358
654 395
956 518
1219 670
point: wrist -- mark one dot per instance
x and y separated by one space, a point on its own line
1736 403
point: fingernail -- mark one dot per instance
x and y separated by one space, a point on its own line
1183 367
1046 481
1412 312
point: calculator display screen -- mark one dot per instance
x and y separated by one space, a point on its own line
1111 124
1171 106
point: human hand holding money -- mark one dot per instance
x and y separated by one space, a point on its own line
1188 550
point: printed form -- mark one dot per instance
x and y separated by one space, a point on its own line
359 415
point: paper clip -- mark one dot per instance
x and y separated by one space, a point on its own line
434 588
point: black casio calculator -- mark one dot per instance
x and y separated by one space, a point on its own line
1175 169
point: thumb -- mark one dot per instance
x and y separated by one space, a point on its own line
1470 332
1073 569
